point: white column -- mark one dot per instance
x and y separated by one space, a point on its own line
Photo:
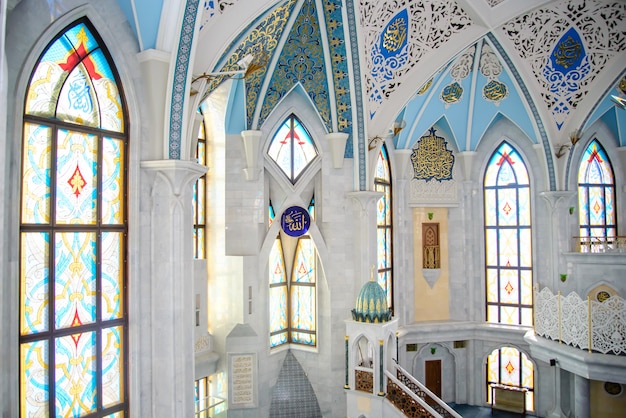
581 397
365 248
169 305
556 411
560 232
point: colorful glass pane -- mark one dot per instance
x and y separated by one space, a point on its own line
75 374
111 275
382 183
76 178
303 291
34 379
271 214
77 101
74 278
112 366
596 193
199 197
35 277
279 321
292 148
74 83
112 181
311 208
508 255
36 174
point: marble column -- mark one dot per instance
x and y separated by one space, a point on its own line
581 397
556 411
168 307
559 237
365 248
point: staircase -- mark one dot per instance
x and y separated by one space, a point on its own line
413 398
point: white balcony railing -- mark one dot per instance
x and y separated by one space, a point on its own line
583 323
599 244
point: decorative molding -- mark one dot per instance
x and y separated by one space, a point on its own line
177 104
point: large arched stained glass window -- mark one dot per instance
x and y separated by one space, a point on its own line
382 183
508 256
292 148
199 198
510 367
73 231
596 199
292 303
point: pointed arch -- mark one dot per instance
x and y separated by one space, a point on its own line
508 366
508 260
596 199
73 229
384 224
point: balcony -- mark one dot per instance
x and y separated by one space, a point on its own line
599 244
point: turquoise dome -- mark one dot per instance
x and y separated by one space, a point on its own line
371 305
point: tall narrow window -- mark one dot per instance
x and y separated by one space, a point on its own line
382 183
508 256
292 148
199 199
293 302
509 367
596 199
73 318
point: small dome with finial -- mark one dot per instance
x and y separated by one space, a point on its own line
371 305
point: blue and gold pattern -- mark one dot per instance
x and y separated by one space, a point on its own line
432 159
452 93
341 81
388 55
495 91
301 61
261 42
565 70
394 36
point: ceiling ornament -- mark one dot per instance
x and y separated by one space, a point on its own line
541 33
430 24
493 3
461 68
212 8
490 67
301 62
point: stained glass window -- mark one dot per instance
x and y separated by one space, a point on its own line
596 198
382 183
292 148
510 367
73 321
293 302
199 198
508 256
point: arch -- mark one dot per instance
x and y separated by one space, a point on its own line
518 375
73 224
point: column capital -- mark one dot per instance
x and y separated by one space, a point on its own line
177 174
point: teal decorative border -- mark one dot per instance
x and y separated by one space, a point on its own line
177 104
358 92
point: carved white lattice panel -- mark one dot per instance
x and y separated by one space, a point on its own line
574 321
609 325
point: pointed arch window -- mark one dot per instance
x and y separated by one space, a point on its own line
508 255
292 303
199 198
510 367
596 199
382 183
292 148
73 228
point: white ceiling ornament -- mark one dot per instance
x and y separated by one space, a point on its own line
431 24
535 35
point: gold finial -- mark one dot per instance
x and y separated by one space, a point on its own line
372 273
